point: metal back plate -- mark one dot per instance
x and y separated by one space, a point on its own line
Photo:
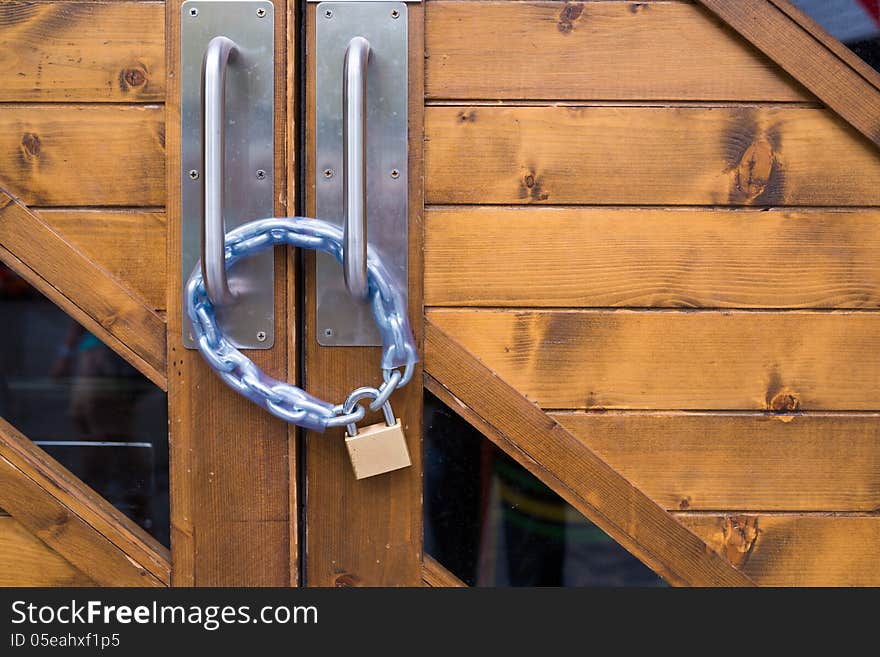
340 321
250 138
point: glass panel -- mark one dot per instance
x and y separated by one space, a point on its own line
84 405
854 22
492 523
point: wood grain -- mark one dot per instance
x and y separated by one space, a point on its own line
795 550
368 532
567 466
813 63
231 462
651 257
26 561
75 521
69 278
737 155
93 155
848 56
130 244
742 461
435 575
83 51
678 360
600 51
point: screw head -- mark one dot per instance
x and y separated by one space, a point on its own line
261 336
261 174
194 174
395 13
328 332
395 174
328 14
328 173
193 12
261 12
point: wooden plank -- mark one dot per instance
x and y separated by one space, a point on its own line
651 257
58 269
810 61
835 45
26 561
83 51
434 574
75 521
130 244
567 466
743 461
796 550
368 532
601 51
231 462
737 155
94 155
796 360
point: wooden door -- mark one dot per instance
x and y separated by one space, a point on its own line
643 265
649 278
89 209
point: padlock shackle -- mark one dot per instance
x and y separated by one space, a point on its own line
366 392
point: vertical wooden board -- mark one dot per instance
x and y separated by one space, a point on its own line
368 532
795 550
594 50
82 51
730 155
230 460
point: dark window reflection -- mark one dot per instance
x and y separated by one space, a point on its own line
83 404
492 523
855 22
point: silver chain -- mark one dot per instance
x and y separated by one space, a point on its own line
283 399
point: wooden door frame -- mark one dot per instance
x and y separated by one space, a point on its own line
370 532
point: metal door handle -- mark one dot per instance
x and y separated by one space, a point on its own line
217 57
354 167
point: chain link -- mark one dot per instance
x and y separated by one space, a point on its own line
283 399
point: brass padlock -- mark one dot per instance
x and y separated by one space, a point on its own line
378 448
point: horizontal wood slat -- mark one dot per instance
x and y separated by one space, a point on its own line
678 360
566 465
82 51
73 520
646 155
26 561
567 257
67 277
130 244
792 550
806 57
68 155
742 461
599 50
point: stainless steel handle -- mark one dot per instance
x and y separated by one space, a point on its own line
217 57
354 167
